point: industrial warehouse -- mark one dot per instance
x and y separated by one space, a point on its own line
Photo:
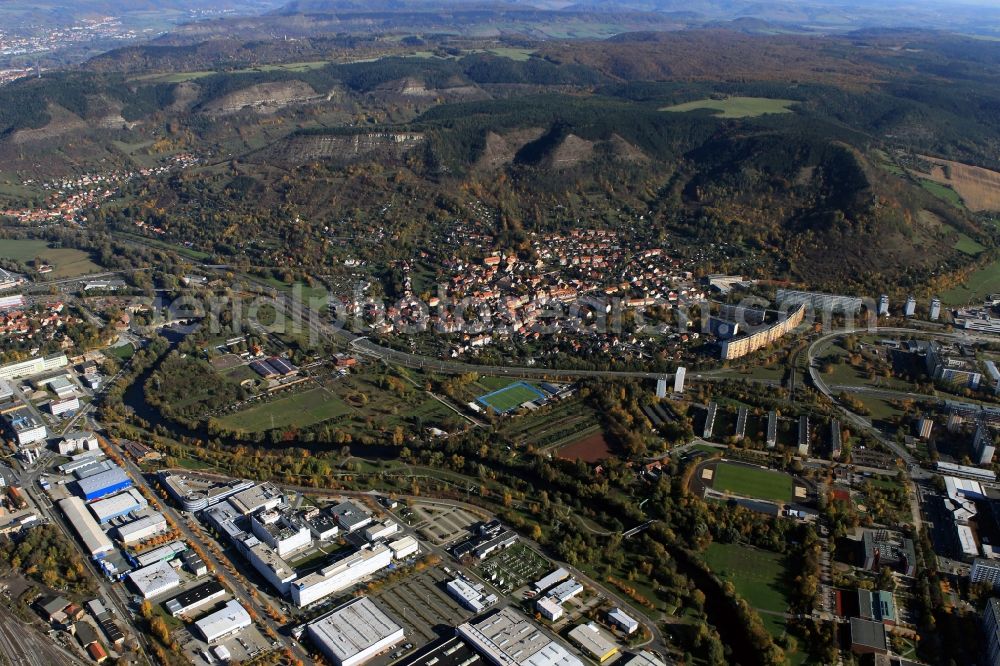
343 544
354 632
227 620
507 637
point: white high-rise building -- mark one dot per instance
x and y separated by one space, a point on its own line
679 380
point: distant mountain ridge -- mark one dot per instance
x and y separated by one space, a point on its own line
972 16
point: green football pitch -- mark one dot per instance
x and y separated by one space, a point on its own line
753 482
511 397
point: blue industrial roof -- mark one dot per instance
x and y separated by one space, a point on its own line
104 483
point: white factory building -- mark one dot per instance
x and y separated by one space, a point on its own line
565 591
471 596
549 609
340 575
164 553
33 366
61 386
355 632
403 548
94 540
623 621
350 516
226 621
155 579
280 531
27 428
508 638
263 496
554 578
116 506
142 528
60 407
380 531
268 563
78 441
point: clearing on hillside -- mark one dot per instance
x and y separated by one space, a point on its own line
736 107
974 288
978 187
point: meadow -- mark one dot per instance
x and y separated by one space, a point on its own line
66 262
984 281
757 575
299 410
736 107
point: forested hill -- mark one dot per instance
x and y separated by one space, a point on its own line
806 157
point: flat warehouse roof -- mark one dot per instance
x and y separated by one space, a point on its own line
453 652
155 578
98 482
227 619
195 595
353 628
86 527
118 504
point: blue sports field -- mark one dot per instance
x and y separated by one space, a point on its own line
511 397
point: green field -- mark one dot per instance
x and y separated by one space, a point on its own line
757 575
942 192
736 107
753 482
880 409
509 398
969 246
520 55
121 352
314 297
300 410
984 281
66 262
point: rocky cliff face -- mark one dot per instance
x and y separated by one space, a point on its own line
342 149
263 98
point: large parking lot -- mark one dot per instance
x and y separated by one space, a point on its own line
441 524
422 604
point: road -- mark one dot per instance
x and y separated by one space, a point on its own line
888 394
864 424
